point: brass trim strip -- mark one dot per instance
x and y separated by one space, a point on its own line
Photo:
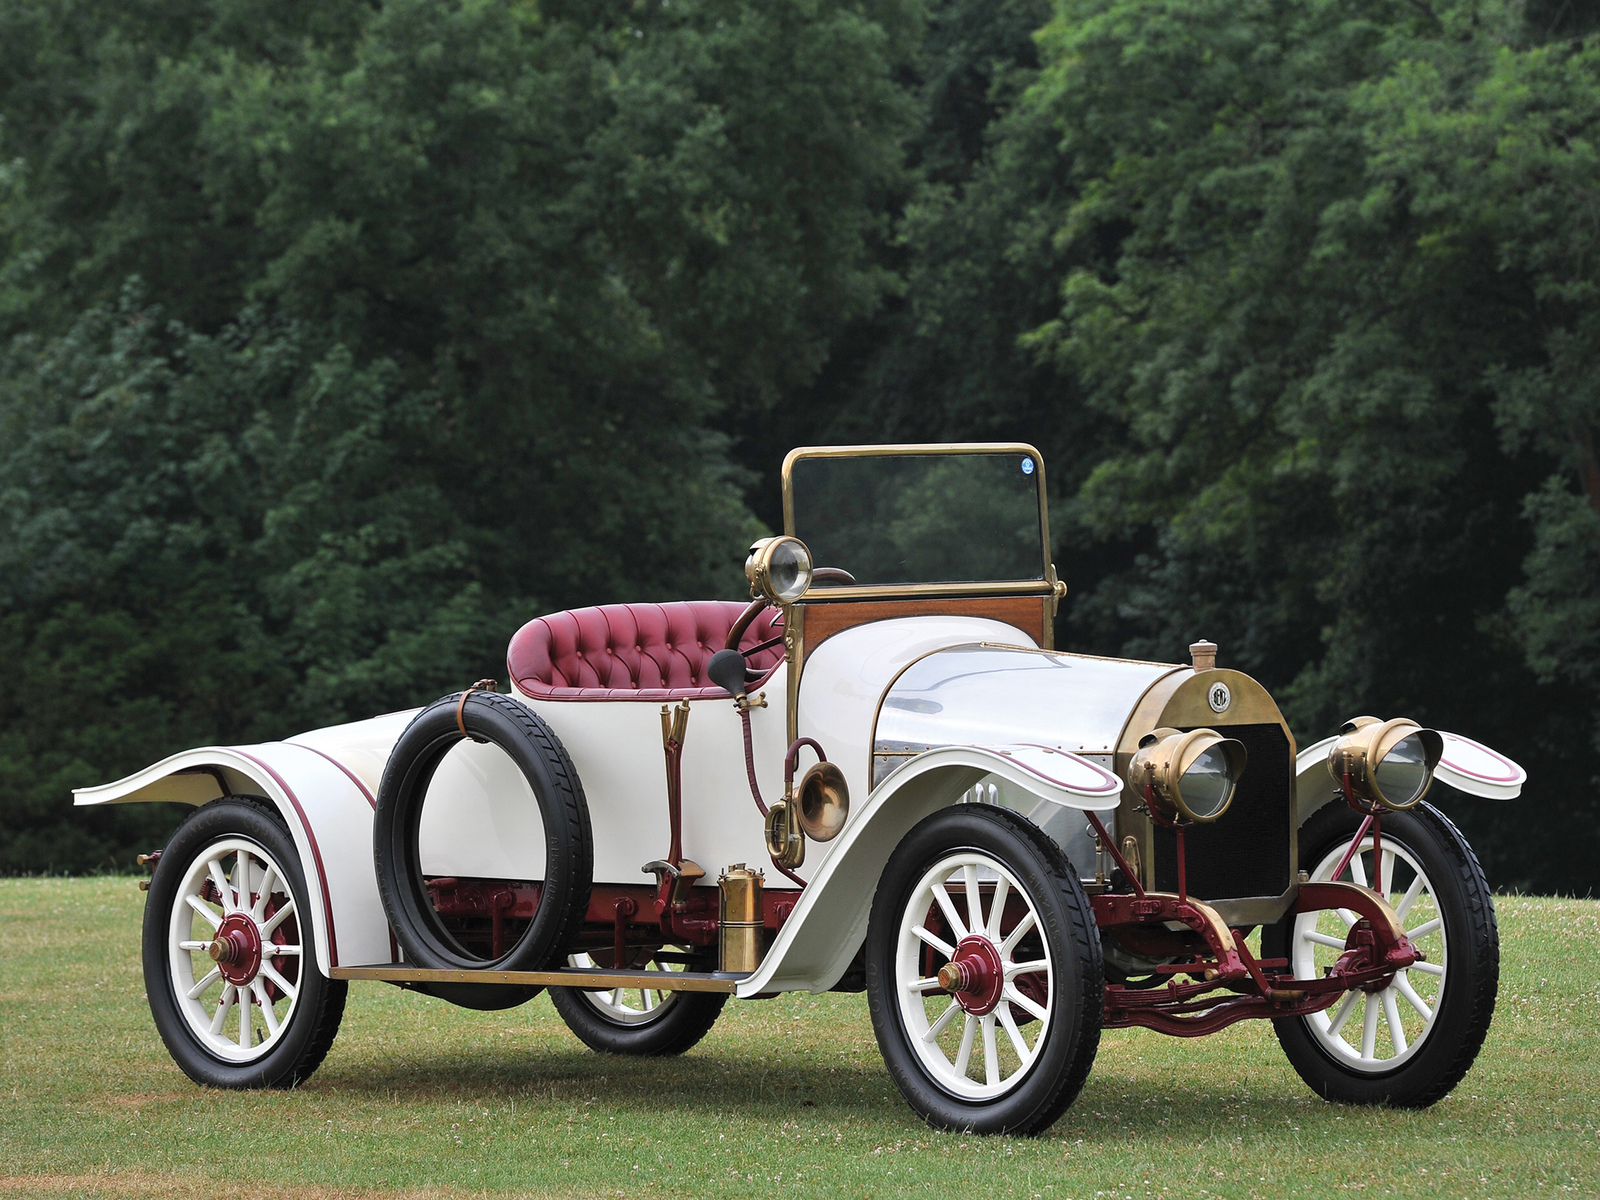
905 591
595 980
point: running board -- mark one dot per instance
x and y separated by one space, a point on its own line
595 979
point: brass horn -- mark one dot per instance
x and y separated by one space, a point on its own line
824 801
818 811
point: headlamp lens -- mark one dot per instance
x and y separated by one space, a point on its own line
1207 784
789 570
1403 774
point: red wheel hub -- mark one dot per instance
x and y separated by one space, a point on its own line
237 949
974 976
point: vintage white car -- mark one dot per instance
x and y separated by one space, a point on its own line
1009 848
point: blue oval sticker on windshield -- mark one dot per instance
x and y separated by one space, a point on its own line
1027 466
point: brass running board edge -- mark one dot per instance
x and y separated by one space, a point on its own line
598 979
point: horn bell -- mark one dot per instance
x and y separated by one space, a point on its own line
824 802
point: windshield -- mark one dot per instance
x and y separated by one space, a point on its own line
970 516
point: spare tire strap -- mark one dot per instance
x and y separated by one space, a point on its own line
483 685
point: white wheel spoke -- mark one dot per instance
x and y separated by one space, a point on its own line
1342 1013
200 907
284 986
198 947
1403 986
944 948
1386 874
210 977
1017 934
224 1002
219 880
1348 917
1427 968
270 877
964 1055
1015 1034
991 1053
270 925
1425 928
1028 1006
246 1026
969 881
943 1022
1013 969
274 949
930 984
1410 898
942 898
1358 869
1322 939
997 908
243 889
1369 1028
1391 1014
644 1000
265 1001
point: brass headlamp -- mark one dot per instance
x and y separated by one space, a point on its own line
779 568
1388 763
1189 775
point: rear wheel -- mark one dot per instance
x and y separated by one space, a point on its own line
641 1021
229 965
984 975
1409 1043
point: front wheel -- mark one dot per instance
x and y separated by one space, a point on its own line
229 966
1410 1043
984 975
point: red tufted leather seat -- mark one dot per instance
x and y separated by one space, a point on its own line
634 651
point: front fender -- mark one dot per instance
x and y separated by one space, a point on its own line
817 942
1465 765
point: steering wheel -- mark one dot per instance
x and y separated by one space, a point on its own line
834 575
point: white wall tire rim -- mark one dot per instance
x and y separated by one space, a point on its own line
630 1006
954 1046
1378 1031
235 1023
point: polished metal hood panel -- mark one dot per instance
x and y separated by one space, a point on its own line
984 694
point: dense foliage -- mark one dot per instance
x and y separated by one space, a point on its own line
341 338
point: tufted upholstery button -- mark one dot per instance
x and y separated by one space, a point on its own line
633 651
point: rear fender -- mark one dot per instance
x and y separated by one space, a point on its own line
328 808
1465 765
816 944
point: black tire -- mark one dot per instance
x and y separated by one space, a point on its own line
1064 1052
312 1018
569 848
677 1022
1464 1003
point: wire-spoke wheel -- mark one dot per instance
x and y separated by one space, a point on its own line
984 973
1410 1041
635 1020
229 965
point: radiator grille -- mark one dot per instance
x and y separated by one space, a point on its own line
1247 852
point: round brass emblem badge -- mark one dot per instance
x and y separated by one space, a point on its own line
1219 697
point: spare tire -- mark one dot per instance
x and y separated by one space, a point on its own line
426 938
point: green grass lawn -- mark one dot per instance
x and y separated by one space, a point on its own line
785 1098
